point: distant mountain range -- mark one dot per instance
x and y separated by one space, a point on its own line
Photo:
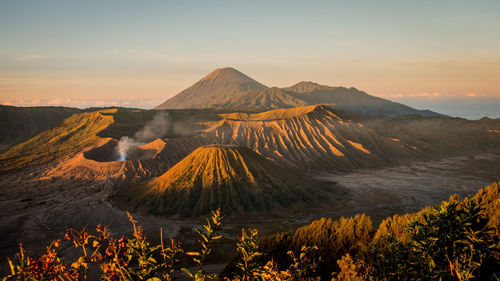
228 88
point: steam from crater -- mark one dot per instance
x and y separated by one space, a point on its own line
156 128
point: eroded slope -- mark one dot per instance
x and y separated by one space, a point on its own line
229 177
305 138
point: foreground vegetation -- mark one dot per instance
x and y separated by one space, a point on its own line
454 240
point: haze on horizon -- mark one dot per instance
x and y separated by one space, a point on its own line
437 55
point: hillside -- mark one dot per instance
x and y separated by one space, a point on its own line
19 123
220 84
235 179
74 134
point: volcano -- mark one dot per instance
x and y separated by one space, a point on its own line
219 85
233 178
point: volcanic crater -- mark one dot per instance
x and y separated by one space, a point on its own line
109 152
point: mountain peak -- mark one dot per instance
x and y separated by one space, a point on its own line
228 73
219 84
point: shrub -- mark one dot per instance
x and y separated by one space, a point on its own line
454 240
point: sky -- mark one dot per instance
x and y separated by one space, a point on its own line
441 55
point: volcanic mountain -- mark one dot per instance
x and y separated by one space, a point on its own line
233 178
220 84
227 88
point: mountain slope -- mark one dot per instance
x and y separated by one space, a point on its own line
271 98
351 100
213 88
233 178
19 123
74 134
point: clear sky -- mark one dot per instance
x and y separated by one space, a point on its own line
142 52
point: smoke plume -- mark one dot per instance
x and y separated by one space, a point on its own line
156 128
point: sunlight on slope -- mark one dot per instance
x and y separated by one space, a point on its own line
74 134
358 146
234 178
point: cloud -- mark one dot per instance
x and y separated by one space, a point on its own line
84 103
418 95
425 95
31 57
472 95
